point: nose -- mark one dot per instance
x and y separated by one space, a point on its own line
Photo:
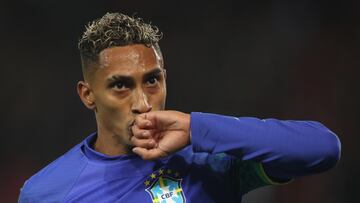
140 103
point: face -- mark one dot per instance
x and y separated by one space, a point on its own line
129 81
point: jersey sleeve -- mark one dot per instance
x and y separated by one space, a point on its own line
249 175
23 197
284 149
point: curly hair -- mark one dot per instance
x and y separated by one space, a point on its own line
116 29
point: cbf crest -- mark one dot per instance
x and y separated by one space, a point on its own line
165 187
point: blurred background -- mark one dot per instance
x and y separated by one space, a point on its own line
296 59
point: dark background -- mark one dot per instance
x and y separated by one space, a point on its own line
296 59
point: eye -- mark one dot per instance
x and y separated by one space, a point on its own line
152 81
119 85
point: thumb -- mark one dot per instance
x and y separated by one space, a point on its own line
149 154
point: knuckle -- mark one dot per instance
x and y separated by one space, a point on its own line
151 143
146 134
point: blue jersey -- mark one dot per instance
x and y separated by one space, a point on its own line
227 158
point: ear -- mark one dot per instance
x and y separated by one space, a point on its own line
86 95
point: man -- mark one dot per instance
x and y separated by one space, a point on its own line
141 153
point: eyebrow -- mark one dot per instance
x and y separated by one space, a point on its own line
129 79
155 71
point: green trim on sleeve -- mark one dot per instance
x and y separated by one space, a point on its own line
249 175
262 174
246 176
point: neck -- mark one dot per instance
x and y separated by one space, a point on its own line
110 144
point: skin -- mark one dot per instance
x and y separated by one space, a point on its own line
170 130
127 82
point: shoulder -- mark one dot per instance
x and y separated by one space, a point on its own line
55 180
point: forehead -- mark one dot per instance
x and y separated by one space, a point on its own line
131 57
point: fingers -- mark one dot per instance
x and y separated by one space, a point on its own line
149 154
142 133
143 143
144 138
143 122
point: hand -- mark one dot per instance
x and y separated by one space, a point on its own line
157 134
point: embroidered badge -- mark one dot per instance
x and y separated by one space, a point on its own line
165 189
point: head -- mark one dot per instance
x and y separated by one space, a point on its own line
123 72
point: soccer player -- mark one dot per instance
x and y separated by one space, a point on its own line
141 153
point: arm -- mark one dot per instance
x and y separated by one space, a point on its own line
286 149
